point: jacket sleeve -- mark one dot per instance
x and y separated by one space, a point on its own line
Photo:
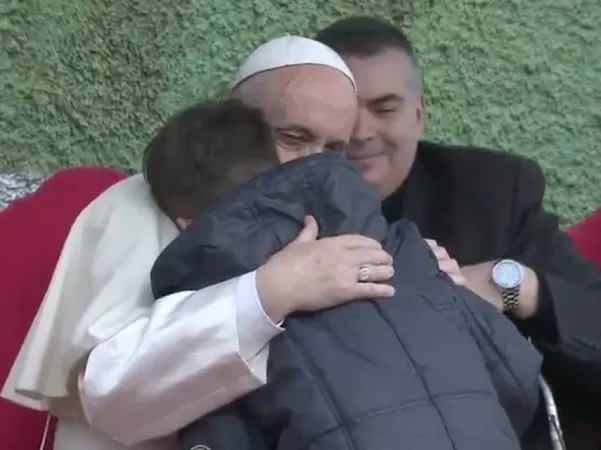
514 364
228 427
192 354
566 328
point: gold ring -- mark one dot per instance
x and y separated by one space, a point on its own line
364 274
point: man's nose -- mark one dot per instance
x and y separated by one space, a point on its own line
365 128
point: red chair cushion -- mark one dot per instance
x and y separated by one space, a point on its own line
586 237
32 232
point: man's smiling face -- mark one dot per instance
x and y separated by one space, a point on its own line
390 121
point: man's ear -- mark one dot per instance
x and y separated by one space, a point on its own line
182 223
421 113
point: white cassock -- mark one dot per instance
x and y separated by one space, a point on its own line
153 366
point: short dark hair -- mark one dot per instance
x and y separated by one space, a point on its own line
204 151
365 37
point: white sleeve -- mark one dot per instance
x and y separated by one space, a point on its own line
193 353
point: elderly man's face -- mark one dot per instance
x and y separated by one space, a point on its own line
311 108
390 122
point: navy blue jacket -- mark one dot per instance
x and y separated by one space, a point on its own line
434 368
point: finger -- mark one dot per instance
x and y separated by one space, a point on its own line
351 241
459 280
441 253
367 291
431 243
358 257
378 274
309 232
449 266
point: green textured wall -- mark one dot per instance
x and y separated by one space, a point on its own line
87 80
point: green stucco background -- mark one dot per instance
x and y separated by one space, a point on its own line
87 81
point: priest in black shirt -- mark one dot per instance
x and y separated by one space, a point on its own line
484 208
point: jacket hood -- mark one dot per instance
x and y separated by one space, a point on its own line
261 216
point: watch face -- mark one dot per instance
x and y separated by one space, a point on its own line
507 274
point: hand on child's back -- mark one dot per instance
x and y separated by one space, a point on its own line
310 274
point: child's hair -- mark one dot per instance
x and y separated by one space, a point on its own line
204 151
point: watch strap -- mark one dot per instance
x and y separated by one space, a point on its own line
511 298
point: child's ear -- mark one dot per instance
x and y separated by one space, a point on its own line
182 223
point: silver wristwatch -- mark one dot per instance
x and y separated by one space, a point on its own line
507 276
